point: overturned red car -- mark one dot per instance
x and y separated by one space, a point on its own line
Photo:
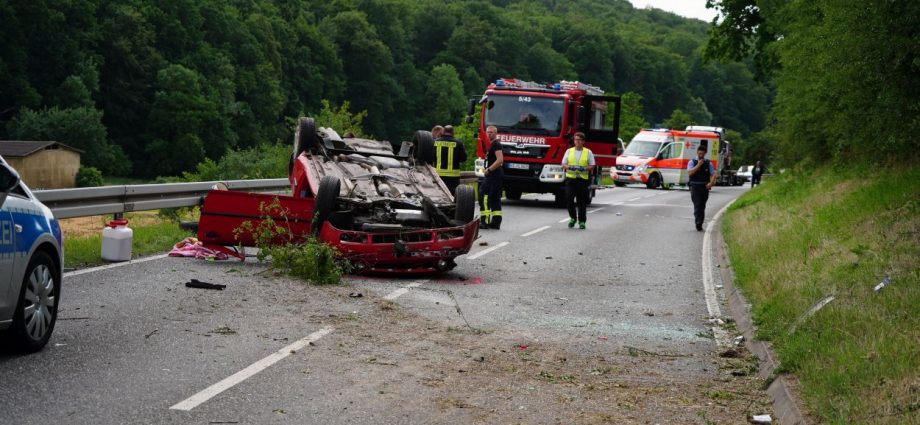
385 211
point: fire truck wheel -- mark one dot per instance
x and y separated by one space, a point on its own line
465 200
304 136
325 199
513 194
424 147
653 181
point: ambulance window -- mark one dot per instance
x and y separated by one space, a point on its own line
671 150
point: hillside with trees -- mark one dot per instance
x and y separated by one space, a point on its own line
153 88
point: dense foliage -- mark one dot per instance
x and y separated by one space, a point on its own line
163 85
846 74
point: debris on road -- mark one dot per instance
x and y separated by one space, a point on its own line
882 284
761 419
223 330
731 353
739 340
151 333
355 295
523 347
483 243
195 283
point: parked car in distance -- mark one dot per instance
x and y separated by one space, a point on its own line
31 265
744 172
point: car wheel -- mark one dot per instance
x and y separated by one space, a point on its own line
465 200
619 184
325 199
512 194
424 147
304 137
653 181
36 310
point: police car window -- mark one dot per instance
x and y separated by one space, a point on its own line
19 191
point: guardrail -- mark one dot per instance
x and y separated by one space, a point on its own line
89 201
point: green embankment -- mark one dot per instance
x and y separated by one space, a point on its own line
808 234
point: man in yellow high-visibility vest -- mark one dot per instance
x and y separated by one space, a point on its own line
577 162
449 154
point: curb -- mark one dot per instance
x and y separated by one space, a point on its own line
782 389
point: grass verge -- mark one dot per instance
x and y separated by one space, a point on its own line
811 233
83 241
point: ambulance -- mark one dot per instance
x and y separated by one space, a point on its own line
658 158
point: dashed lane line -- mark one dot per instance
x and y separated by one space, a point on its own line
402 291
533 232
487 250
209 393
634 199
594 210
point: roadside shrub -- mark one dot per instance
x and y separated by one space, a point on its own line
89 177
310 260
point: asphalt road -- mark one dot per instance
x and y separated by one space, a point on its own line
537 324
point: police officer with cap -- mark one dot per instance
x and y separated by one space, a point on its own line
702 178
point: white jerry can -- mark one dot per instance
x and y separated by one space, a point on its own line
116 241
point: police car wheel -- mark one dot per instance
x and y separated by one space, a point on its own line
36 310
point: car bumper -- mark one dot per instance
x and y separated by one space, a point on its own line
631 177
412 252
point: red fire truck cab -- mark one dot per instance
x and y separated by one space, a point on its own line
536 124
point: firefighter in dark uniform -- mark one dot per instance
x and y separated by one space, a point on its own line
449 154
490 186
702 178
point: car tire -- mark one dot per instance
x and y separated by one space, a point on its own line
653 181
465 201
513 194
619 184
37 307
304 136
326 195
424 147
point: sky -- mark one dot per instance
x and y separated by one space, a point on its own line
688 8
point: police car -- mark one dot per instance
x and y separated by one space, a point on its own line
31 265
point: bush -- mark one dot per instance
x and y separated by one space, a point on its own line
309 260
89 177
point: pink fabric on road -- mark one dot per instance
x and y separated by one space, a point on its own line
191 247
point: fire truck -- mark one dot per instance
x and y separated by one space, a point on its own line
536 124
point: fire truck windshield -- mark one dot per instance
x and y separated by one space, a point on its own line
525 114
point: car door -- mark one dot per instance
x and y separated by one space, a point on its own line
8 289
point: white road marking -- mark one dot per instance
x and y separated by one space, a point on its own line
617 204
634 199
712 299
112 266
486 251
208 393
649 196
402 291
534 231
594 210
563 220
659 205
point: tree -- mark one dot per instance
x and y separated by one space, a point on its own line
80 128
340 119
444 95
678 120
177 119
631 117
